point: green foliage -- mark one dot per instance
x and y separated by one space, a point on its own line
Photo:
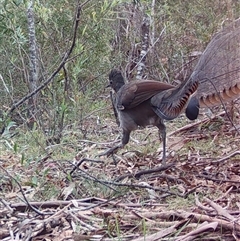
7 133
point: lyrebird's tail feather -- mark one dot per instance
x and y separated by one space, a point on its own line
218 69
217 98
171 103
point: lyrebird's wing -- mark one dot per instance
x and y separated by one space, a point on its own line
134 93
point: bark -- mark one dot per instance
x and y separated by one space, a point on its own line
33 64
141 66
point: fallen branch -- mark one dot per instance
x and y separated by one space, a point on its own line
226 157
145 172
189 126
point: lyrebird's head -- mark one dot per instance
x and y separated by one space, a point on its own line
116 80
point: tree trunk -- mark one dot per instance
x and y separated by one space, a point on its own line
33 65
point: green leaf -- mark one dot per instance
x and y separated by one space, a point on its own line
22 159
15 147
34 181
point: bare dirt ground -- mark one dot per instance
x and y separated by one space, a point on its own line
130 197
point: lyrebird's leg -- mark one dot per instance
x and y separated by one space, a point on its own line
124 141
162 135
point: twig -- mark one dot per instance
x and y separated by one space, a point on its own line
83 160
200 205
144 187
26 200
186 127
7 205
95 179
216 179
84 225
160 234
116 183
204 227
220 211
144 172
182 214
225 194
226 157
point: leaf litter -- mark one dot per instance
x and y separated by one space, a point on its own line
196 197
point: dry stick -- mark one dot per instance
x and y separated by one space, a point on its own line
7 205
220 211
39 225
142 217
204 227
85 202
216 179
26 200
186 127
182 214
226 157
115 183
108 183
144 172
160 234
84 225
81 161
144 187
225 194
200 205
91 177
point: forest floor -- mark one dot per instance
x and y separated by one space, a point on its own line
128 197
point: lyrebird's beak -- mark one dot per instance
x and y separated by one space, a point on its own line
109 85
